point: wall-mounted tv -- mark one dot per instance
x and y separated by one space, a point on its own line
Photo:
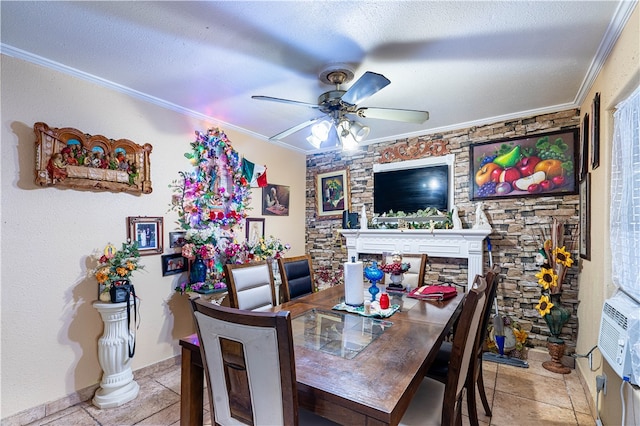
409 186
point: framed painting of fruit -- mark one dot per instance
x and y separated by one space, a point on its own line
531 166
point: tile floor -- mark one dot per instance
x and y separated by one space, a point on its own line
518 396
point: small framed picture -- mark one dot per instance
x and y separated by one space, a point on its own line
585 218
254 229
173 264
275 200
332 194
147 232
177 239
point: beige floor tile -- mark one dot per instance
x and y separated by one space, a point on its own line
73 416
165 417
577 394
152 398
585 419
510 410
527 384
169 378
482 417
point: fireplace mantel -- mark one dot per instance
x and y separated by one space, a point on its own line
457 243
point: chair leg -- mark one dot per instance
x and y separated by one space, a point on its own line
483 395
472 408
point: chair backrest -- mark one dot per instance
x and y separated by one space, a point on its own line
250 285
297 276
463 349
414 277
249 364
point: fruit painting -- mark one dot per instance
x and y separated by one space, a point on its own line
536 165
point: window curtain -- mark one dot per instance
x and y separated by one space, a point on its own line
625 196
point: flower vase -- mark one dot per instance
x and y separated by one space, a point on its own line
556 319
198 272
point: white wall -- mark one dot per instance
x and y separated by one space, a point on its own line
49 327
617 79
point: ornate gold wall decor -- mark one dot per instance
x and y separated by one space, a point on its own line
66 157
421 149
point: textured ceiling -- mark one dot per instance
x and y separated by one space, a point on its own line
465 62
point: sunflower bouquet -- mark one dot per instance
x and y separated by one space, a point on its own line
554 261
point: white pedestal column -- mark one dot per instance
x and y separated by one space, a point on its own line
117 386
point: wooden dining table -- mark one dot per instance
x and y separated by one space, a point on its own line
365 373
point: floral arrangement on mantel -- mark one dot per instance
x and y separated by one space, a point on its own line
115 266
554 261
428 218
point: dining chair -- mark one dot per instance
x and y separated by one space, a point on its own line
250 285
414 277
438 403
440 366
249 365
297 276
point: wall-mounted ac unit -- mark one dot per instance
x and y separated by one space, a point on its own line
619 334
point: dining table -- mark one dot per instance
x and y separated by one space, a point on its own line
351 367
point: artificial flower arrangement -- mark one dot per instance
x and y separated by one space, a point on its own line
444 220
270 248
200 197
554 261
115 266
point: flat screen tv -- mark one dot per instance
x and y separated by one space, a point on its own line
412 189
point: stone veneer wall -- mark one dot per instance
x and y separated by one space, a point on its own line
515 221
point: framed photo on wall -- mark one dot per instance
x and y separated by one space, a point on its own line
531 166
147 232
173 264
275 200
332 194
585 218
177 239
254 229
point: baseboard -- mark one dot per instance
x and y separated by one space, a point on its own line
38 412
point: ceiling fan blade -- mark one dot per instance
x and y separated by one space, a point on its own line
406 115
296 128
366 86
284 101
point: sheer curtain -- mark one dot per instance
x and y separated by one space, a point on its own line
625 196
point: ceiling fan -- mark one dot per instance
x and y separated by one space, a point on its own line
340 105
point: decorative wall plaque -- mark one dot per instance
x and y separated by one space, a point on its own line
66 157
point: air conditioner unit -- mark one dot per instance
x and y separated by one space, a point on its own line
619 333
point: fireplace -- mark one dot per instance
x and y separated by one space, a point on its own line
456 243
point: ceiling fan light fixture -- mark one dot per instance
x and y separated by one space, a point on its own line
359 131
321 130
315 142
348 142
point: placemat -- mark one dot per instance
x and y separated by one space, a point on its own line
375 313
